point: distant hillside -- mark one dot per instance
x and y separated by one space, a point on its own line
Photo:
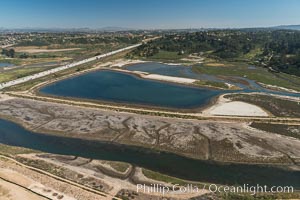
113 28
62 30
278 50
288 27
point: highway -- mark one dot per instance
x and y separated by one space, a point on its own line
57 69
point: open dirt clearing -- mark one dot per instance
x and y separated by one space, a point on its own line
9 191
33 49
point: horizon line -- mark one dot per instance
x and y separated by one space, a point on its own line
127 28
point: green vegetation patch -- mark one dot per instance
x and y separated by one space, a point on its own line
43 165
277 50
211 84
166 55
242 70
13 150
19 73
168 179
119 166
30 84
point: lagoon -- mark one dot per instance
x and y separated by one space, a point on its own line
118 87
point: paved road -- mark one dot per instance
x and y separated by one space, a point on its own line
57 69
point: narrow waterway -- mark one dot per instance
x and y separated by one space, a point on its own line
167 163
187 72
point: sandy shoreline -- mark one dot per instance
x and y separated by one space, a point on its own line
226 107
277 88
158 77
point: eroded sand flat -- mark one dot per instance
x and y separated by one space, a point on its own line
193 138
169 78
237 108
9 191
28 184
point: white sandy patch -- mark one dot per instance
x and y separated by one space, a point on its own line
122 62
169 78
238 108
4 97
174 64
146 75
9 191
235 108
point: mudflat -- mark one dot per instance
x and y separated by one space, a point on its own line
201 139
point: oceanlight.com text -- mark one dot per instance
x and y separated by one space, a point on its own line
190 188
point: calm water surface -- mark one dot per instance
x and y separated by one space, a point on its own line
3 64
168 163
187 72
125 88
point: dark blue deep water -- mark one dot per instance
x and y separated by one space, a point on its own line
167 163
125 88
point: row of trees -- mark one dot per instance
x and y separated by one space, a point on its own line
11 53
80 39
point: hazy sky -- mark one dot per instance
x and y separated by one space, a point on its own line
148 13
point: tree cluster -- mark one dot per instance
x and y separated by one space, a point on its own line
278 49
9 53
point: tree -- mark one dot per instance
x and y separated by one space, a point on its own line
11 53
4 52
24 55
8 53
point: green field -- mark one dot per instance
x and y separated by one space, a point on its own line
167 55
212 84
19 73
164 178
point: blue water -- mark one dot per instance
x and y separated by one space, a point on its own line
117 87
167 163
170 70
125 88
187 72
3 64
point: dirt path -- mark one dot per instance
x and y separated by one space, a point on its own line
12 191
104 195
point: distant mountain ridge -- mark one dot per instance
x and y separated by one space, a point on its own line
116 29
287 27
53 30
